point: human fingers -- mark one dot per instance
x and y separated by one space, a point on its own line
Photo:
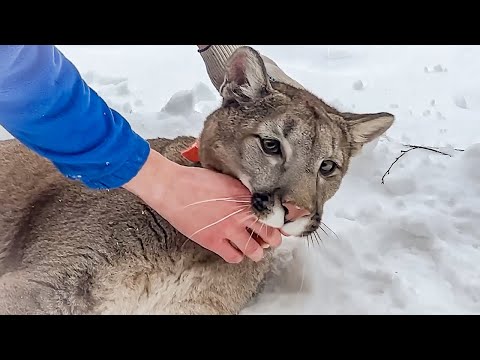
267 235
246 243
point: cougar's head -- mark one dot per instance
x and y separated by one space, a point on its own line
288 147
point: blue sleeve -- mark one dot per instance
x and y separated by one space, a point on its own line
47 106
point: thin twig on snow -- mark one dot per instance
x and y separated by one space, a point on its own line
414 147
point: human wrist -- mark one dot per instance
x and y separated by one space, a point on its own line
154 179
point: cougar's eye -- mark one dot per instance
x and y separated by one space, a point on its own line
327 167
271 146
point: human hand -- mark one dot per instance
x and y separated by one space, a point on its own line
211 209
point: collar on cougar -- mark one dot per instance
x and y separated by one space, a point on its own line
192 153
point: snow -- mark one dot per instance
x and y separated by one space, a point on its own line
408 246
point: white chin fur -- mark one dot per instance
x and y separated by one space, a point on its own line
297 227
276 219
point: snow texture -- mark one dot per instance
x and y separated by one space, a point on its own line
408 246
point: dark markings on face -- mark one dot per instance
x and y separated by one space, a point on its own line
288 127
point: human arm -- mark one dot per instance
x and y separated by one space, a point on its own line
215 58
47 106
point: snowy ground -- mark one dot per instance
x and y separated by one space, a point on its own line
409 246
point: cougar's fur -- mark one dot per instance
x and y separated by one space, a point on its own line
66 249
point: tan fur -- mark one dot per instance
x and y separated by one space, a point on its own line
65 249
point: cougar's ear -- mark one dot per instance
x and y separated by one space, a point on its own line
365 128
246 78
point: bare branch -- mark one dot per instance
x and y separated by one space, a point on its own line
398 158
413 147
430 148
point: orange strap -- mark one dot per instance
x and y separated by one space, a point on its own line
192 153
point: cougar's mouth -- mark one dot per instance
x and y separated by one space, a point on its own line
284 233
270 211
276 217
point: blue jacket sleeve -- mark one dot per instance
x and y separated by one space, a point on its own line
47 106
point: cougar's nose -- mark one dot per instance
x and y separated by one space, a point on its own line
260 201
294 212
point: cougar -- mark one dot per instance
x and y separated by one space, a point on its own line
67 249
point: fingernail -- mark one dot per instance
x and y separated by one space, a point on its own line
237 260
265 245
257 255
